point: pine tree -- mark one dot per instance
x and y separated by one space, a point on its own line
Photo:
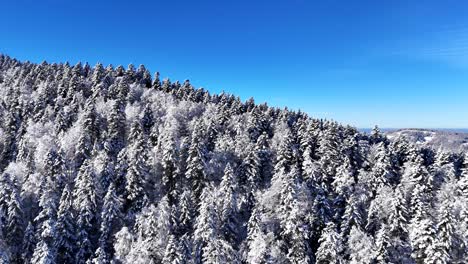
344 180
328 151
206 225
14 222
255 238
195 172
353 215
382 245
123 243
359 246
100 257
4 249
108 172
422 229
186 213
399 215
88 135
294 227
251 170
54 173
445 230
45 250
116 128
228 191
85 204
66 230
157 82
111 215
169 166
43 254
137 175
28 243
382 170
285 156
330 246
219 251
376 136
98 74
147 121
174 252
153 229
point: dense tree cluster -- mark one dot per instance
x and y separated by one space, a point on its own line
102 164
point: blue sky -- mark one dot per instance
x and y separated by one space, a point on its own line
392 63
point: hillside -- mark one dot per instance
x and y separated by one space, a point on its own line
108 164
447 140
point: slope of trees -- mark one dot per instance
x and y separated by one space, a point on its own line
109 165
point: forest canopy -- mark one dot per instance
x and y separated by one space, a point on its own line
112 164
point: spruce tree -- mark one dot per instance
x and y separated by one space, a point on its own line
137 174
66 230
111 220
330 246
206 225
85 204
195 172
228 191
28 244
15 222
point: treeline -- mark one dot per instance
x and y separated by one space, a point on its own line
111 165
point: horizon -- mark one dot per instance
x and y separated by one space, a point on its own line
324 59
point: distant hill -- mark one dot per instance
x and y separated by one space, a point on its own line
446 139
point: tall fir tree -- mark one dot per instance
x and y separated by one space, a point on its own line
85 204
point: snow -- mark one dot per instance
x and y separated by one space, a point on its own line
211 179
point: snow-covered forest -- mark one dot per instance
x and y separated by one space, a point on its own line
109 164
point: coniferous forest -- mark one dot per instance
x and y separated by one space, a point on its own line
103 164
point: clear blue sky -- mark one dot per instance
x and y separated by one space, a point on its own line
392 63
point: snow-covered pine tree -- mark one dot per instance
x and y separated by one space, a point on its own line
66 229
28 244
14 222
169 165
137 173
389 200
330 246
206 225
228 199
88 135
195 172
85 200
111 220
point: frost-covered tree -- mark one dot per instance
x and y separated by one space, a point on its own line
360 246
123 243
195 172
206 225
14 222
105 165
137 173
330 246
66 229
111 219
45 250
228 197
116 128
28 244
88 135
173 253
85 200
169 166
